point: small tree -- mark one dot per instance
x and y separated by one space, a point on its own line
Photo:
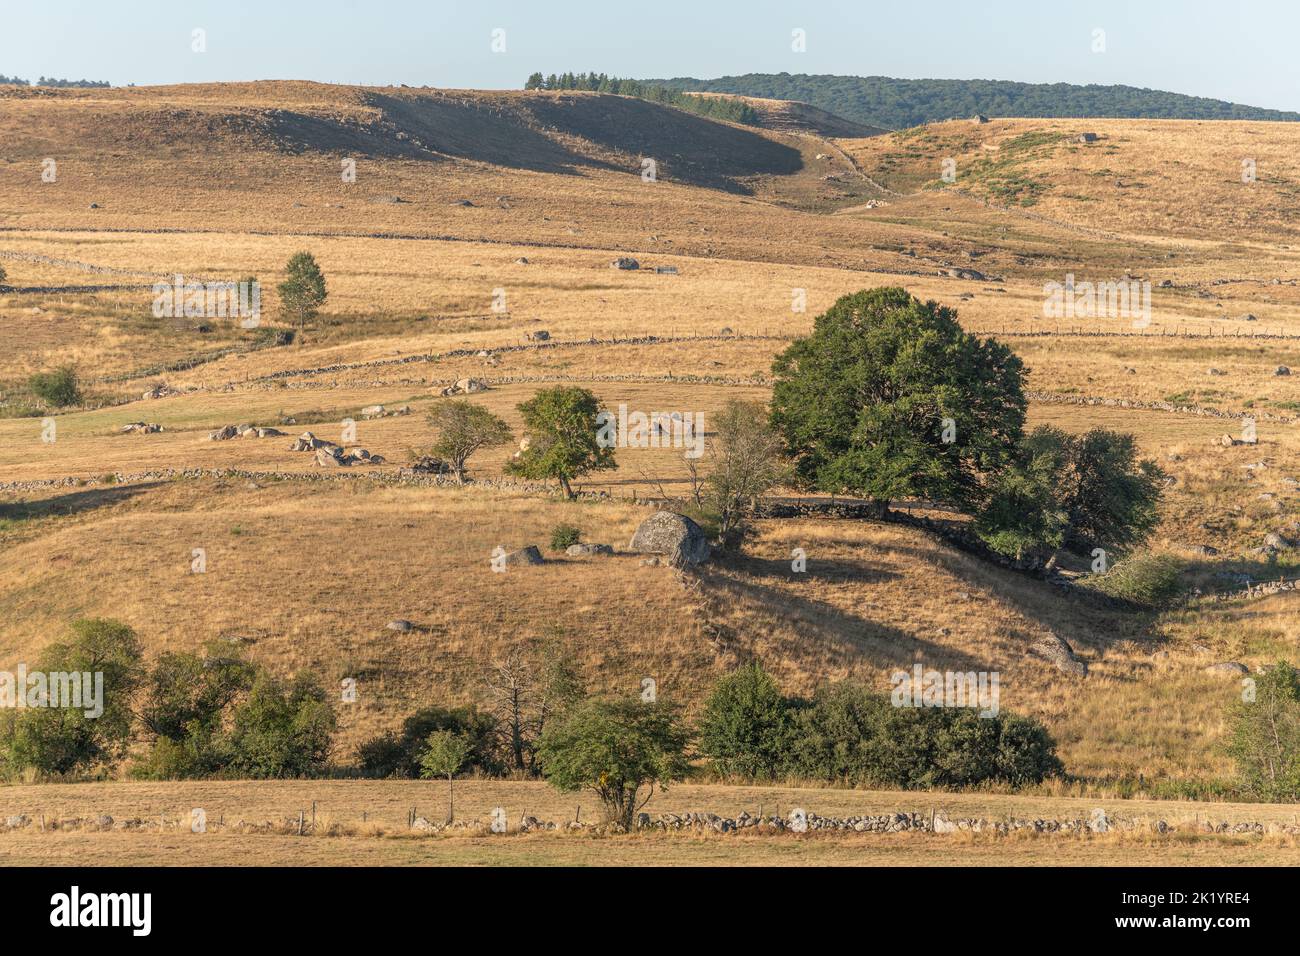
58 387
462 429
616 749
562 428
303 291
746 464
444 756
1264 735
746 727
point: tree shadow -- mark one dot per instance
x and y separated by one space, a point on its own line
87 499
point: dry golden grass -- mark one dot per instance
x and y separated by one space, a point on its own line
207 181
381 837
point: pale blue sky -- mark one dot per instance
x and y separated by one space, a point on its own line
1238 50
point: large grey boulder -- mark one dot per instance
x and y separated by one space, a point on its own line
674 535
528 555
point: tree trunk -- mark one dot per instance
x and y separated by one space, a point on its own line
564 484
451 800
460 474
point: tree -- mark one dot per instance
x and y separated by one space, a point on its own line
462 429
889 398
399 756
1077 491
282 729
746 463
562 428
303 291
71 737
1264 735
746 726
58 387
444 756
616 749
527 690
187 700
1024 513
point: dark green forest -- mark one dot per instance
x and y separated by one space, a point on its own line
897 104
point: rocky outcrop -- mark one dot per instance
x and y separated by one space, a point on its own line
1057 652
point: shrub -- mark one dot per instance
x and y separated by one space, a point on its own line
282 729
746 463
58 387
399 756
563 535
1148 579
849 734
1264 735
747 724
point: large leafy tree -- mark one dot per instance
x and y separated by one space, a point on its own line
621 750
69 739
862 402
562 426
303 291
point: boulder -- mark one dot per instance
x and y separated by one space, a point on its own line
1231 668
328 457
142 428
625 262
541 335
1056 651
372 411
399 625
1276 541
581 549
673 535
528 555
1282 370
224 433
1099 822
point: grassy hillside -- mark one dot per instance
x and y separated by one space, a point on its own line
896 104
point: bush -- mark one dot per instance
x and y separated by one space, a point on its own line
1148 579
563 535
854 736
1264 735
747 725
400 756
282 729
58 388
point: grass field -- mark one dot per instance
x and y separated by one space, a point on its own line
230 180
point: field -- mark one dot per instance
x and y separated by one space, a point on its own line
477 220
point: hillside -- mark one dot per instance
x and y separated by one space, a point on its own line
460 194
897 104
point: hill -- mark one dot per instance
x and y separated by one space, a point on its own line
897 104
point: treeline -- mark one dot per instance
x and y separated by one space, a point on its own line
898 104
51 81
723 108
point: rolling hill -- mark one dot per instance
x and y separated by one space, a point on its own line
896 103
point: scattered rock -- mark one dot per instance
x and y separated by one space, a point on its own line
143 428
581 549
399 625
528 555
1228 667
626 263
1087 137
1056 651
541 335
1282 370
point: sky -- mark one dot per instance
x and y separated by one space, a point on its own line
1239 50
